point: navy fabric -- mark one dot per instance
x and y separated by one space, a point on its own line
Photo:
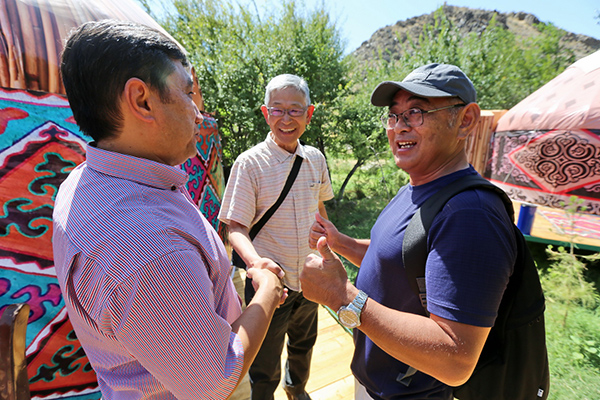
472 253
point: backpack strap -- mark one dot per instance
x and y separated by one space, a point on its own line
414 244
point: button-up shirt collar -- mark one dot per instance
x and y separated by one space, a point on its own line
140 170
280 154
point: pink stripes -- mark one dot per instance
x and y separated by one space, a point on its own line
152 302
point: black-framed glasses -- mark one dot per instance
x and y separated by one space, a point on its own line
280 112
412 117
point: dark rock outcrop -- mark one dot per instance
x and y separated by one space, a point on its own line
391 39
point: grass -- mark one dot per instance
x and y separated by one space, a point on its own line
573 350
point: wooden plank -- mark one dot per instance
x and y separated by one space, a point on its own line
478 143
339 390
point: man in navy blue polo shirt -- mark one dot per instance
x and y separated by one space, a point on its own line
471 242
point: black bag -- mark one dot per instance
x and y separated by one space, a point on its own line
514 361
235 257
237 260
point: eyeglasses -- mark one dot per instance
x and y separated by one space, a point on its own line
412 117
280 112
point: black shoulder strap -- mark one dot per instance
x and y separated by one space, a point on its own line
414 244
286 188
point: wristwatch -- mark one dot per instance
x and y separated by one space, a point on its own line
349 315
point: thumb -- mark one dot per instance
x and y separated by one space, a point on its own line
318 217
324 249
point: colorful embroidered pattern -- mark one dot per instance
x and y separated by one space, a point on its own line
547 167
207 181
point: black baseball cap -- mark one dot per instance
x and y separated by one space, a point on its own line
432 80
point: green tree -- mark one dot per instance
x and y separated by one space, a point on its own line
236 51
359 134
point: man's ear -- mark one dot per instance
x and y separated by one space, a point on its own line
309 113
469 119
138 100
265 112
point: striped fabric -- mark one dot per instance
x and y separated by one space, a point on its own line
145 281
255 183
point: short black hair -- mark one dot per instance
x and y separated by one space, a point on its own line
100 57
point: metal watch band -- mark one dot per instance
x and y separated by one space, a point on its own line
349 315
359 301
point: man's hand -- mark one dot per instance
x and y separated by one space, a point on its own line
267 263
322 228
263 278
324 279
240 240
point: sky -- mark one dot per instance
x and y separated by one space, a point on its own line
359 19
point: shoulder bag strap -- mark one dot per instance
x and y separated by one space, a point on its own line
286 188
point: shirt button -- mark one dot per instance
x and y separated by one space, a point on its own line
173 188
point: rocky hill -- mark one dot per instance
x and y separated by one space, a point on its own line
390 38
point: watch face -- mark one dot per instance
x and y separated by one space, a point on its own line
348 318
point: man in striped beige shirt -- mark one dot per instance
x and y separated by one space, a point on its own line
145 278
256 181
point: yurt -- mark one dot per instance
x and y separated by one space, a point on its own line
547 148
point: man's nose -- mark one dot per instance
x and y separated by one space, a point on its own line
401 125
199 116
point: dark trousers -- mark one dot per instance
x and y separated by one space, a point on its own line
297 318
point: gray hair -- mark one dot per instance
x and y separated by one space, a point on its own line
453 116
285 81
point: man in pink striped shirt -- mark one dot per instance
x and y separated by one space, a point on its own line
144 276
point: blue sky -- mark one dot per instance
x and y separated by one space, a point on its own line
359 19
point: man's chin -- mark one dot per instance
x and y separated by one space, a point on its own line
192 155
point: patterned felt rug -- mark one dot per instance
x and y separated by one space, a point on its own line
585 225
